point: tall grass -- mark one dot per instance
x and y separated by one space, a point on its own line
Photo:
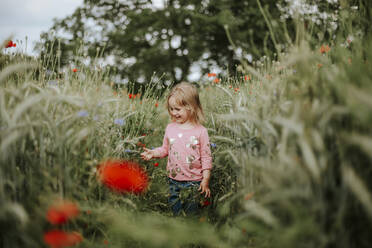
292 161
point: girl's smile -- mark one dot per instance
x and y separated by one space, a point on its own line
178 113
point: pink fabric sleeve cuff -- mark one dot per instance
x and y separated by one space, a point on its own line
161 151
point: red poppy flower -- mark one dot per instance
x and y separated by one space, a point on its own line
248 196
324 49
139 143
216 80
156 164
60 212
74 70
59 239
10 44
130 96
212 74
123 176
247 77
206 203
156 104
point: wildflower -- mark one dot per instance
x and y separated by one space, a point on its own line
10 44
141 144
213 145
212 74
247 77
82 113
216 80
59 239
319 65
60 212
349 39
74 70
156 164
248 196
130 96
119 122
53 83
324 49
206 203
105 242
230 86
123 176
127 150
236 89
156 105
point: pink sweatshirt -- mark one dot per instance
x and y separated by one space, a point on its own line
188 152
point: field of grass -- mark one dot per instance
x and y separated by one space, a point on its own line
292 147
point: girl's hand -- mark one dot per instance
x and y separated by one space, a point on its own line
147 154
204 187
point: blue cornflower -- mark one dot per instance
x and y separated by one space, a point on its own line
127 150
53 83
213 145
119 122
82 113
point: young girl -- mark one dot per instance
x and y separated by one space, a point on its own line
186 143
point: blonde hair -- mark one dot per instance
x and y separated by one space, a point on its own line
186 94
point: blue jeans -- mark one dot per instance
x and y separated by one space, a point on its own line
184 196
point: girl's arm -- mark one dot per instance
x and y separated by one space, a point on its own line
206 161
159 152
204 185
205 151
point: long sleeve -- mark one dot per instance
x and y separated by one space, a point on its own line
205 151
163 150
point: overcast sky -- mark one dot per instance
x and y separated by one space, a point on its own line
22 18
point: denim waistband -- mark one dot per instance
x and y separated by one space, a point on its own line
182 182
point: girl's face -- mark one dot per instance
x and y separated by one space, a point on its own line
178 113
